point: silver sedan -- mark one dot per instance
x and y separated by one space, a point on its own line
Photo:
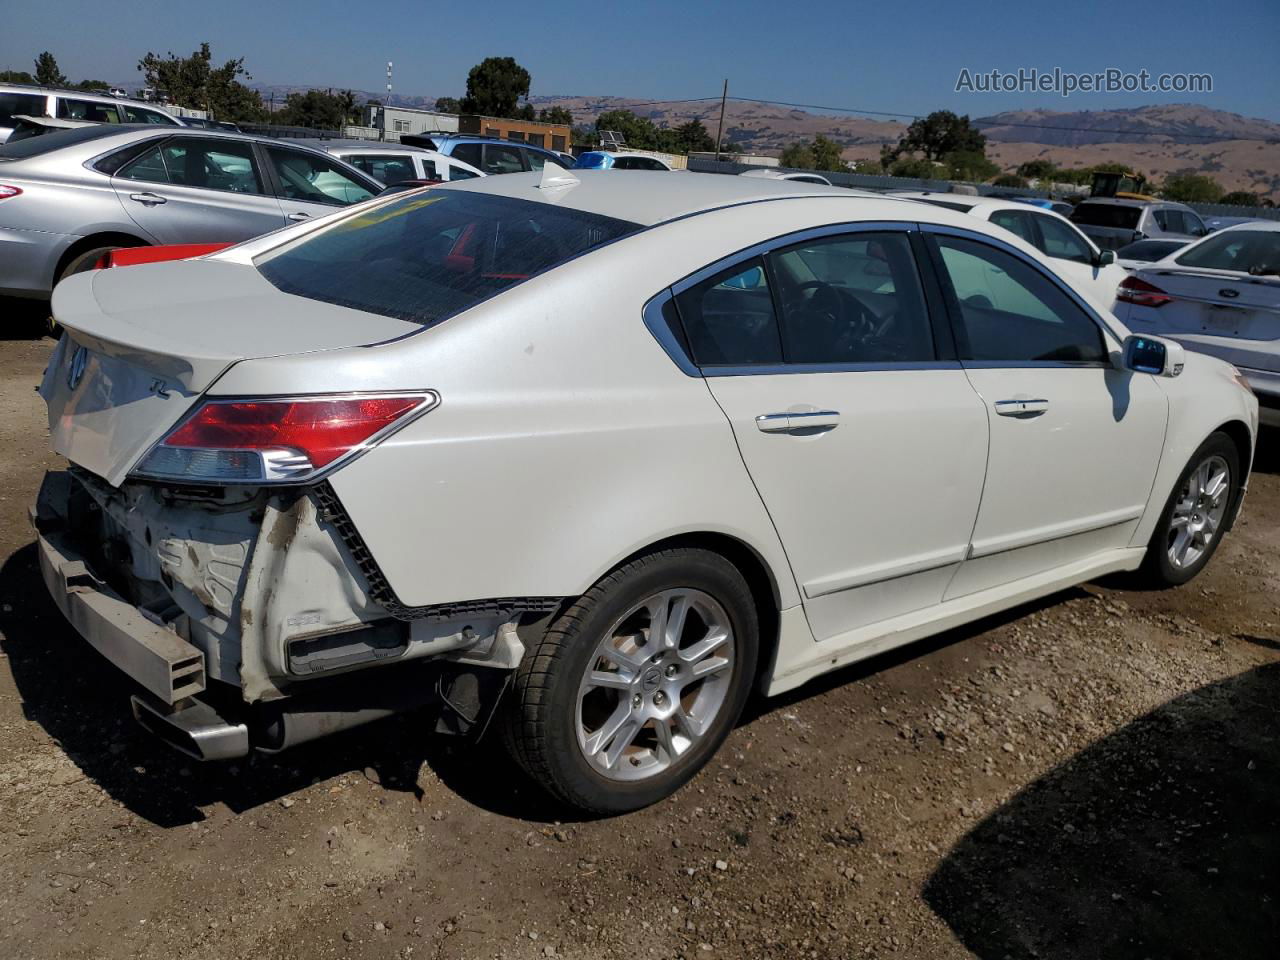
69 197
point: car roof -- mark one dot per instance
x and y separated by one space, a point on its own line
1250 225
83 95
1128 202
649 197
353 143
101 138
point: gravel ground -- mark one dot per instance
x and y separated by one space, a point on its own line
1095 775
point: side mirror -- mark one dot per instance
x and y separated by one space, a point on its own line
1153 355
1104 258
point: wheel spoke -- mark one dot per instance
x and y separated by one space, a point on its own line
675 622
666 737
1179 520
694 727
609 680
626 734
712 641
609 730
707 666
1178 550
632 659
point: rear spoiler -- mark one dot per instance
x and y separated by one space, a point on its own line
418 140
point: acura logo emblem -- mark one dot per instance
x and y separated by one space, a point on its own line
75 373
1228 293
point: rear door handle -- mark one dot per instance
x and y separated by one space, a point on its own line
798 422
299 217
1021 408
150 199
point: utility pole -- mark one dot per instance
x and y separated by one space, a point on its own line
382 127
720 129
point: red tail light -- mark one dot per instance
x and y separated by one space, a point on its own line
7 191
277 441
1144 294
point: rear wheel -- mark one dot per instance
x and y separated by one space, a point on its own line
79 264
1193 520
632 689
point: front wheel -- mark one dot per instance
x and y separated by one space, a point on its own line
631 690
1194 519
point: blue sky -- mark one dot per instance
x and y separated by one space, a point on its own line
902 57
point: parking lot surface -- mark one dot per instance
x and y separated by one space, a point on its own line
1095 775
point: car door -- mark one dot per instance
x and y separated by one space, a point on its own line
310 184
191 189
1075 441
862 435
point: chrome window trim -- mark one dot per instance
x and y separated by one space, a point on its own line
770 369
1108 330
657 324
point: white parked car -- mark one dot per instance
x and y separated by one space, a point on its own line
638 445
1136 255
392 163
21 99
1071 253
1221 296
799 176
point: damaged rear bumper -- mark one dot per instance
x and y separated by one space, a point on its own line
246 624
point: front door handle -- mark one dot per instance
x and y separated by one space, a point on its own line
299 217
798 422
1019 407
149 199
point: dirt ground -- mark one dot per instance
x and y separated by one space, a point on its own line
1093 776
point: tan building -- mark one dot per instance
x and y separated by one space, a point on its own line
550 136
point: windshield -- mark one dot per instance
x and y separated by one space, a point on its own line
427 256
1245 251
1106 215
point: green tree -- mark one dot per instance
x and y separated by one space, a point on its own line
194 82
92 85
797 155
448 105
693 136
917 167
969 165
1010 180
583 135
638 132
524 112
1037 170
1191 188
556 115
494 86
47 72
819 154
315 108
16 76
940 133
1240 198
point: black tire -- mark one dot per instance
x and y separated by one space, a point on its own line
540 715
1158 569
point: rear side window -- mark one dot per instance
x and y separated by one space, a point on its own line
193 162
1016 222
1011 312
499 158
1106 215
21 104
314 179
134 114
729 318
427 256
88 110
468 153
389 168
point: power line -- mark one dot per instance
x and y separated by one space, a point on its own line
990 121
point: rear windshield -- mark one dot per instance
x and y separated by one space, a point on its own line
1148 250
56 141
428 256
21 104
1106 215
1248 251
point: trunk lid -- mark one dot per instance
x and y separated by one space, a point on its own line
143 343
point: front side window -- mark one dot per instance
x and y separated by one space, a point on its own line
192 162
852 299
90 111
499 158
134 114
1106 215
313 179
431 254
729 318
1011 312
1195 226
388 168
1061 241
460 173
1255 252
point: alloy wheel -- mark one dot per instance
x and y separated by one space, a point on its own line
655 684
1198 511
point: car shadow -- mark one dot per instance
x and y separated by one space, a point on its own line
1266 457
23 319
82 702
1160 840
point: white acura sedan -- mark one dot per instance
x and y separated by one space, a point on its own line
596 456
